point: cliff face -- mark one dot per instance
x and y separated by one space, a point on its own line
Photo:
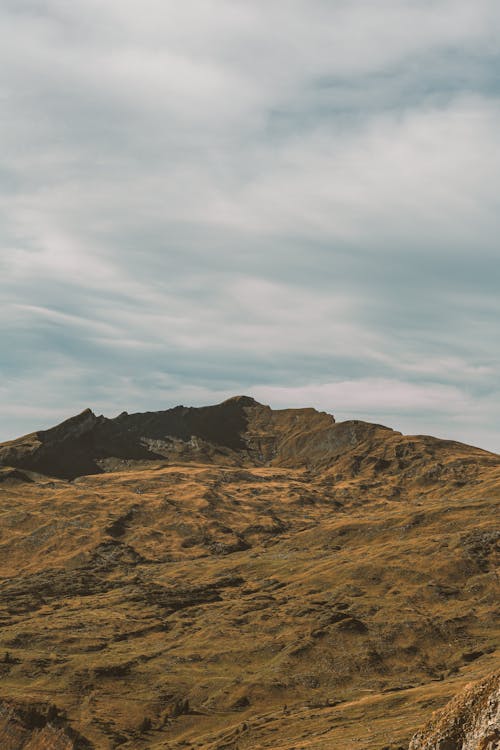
471 721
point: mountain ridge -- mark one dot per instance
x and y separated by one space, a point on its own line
238 431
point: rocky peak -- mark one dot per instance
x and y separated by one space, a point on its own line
73 427
241 401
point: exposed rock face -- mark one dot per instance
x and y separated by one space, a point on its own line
471 721
41 727
87 444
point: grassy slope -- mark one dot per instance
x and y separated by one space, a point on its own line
290 608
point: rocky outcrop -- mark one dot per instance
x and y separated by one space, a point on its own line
40 727
471 721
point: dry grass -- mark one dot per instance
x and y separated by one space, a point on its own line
306 585
227 607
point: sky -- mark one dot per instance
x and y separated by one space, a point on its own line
298 200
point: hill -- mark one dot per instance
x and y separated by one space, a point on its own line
237 577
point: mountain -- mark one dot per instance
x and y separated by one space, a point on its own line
238 432
238 577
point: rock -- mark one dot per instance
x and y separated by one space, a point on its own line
471 721
351 625
469 656
242 702
37 727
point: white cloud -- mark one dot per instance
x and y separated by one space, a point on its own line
210 197
368 394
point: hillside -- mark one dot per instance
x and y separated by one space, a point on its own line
237 577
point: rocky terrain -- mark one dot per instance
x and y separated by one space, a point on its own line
471 721
37 728
233 577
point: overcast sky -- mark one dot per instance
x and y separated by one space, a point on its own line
293 199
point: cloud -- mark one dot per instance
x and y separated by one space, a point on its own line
296 200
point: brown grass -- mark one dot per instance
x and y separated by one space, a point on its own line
334 605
